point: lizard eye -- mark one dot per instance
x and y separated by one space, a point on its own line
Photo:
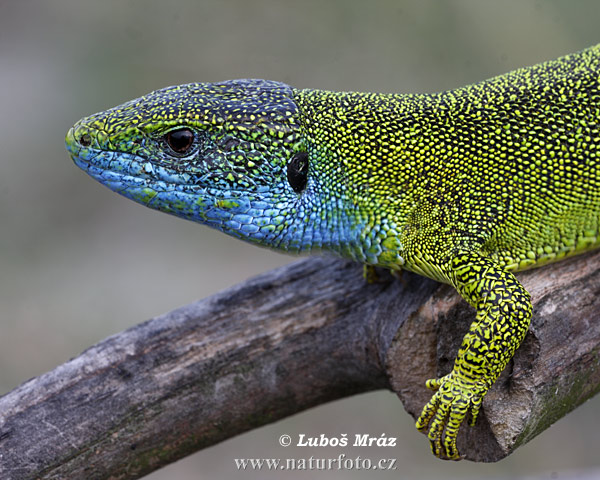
85 140
180 140
297 171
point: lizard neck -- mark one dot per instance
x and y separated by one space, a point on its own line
362 167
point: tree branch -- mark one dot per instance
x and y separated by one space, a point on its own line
280 343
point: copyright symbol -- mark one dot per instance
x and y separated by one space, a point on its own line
285 440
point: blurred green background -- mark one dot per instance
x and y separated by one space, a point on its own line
78 263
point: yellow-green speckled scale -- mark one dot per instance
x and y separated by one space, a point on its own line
464 186
508 165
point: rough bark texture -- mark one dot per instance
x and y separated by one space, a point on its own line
285 341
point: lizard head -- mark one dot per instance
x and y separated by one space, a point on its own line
229 154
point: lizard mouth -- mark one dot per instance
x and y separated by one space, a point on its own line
121 170
137 178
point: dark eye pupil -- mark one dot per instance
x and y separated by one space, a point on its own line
180 140
85 140
297 171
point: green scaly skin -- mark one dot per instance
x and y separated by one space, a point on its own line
464 186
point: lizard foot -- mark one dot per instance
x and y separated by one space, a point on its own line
441 418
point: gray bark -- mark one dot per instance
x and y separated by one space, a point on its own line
285 341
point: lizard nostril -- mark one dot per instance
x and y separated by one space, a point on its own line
85 140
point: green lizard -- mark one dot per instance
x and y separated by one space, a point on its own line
464 186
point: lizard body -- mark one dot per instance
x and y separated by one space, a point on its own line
464 186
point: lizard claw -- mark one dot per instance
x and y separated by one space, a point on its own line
444 413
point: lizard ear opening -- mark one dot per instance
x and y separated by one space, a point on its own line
297 171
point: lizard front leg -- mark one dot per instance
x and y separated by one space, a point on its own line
503 317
